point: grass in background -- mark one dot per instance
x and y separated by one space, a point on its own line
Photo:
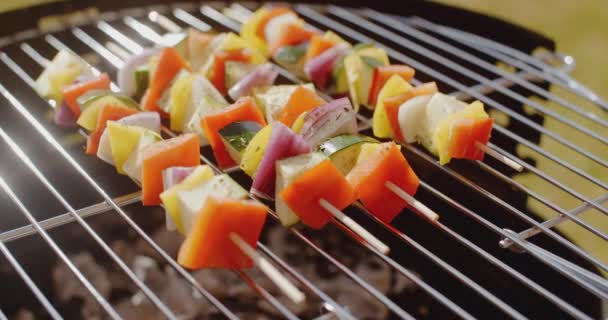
579 28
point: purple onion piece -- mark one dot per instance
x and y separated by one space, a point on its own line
126 79
329 120
283 143
175 175
264 75
320 68
64 117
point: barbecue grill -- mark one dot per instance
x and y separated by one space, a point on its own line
76 243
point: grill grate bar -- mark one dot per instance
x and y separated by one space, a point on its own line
514 58
530 232
306 11
26 278
65 218
553 181
53 142
440 297
122 39
162 307
85 282
446 47
342 29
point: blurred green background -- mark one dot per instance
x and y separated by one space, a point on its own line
579 28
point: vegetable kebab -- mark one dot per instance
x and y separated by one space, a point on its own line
445 126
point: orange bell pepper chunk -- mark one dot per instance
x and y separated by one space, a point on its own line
243 109
218 74
464 133
368 179
323 181
170 62
72 92
106 113
272 13
181 151
291 34
318 44
383 73
392 104
301 100
208 245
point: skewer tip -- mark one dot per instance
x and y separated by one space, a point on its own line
355 227
500 157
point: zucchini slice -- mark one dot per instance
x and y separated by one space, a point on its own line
237 135
344 150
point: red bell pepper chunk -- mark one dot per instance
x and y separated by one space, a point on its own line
383 73
368 179
464 133
170 62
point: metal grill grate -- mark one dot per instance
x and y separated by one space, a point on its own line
67 180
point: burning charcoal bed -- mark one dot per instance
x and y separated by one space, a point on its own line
77 243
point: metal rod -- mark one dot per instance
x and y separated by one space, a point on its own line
556 183
161 306
532 231
28 281
120 38
67 217
405 29
53 142
602 235
85 282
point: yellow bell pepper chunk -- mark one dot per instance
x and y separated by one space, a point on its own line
178 100
123 140
380 123
252 156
